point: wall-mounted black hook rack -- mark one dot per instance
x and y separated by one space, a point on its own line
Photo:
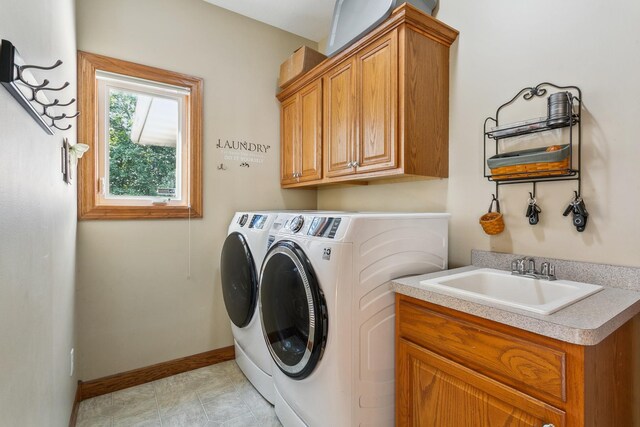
20 83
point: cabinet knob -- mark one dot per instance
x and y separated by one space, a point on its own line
350 164
548 425
356 164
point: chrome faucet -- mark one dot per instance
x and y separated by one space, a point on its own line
527 267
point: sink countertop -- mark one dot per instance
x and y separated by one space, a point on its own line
586 322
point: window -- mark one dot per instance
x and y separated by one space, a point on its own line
143 126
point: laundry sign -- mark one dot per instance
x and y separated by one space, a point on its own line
243 152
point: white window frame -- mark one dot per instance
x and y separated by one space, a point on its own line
111 81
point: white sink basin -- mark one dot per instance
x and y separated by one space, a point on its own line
501 287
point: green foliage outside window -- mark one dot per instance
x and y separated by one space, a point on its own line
134 169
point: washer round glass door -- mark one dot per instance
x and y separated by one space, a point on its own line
293 310
239 281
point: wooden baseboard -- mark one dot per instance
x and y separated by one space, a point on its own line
76 405
147 374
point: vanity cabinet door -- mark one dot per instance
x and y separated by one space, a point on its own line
433 391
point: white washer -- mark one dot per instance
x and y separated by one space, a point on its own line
328 315
242 255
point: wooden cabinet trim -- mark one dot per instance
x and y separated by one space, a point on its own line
491 398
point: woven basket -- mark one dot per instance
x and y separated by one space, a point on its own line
492 222
528 170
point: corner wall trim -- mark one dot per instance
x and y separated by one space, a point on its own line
147 374
76 405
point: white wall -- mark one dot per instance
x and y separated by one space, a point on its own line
136 305
504 46
37 230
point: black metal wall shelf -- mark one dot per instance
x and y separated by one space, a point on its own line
571 120
528 127
16 77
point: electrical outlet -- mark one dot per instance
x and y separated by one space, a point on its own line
71 363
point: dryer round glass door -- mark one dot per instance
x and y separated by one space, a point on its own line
239 280
293 310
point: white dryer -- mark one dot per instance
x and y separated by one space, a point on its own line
328 315
242 255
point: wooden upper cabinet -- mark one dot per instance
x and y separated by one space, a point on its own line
310 146
377 70
339 122
301 135
385 104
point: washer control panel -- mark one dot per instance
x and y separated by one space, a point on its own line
324 227
258 221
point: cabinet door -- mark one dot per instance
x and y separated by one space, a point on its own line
377 70
433 391
339 113
289 137
310 149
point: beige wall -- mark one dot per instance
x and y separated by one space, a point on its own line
37 230
504 46
136 304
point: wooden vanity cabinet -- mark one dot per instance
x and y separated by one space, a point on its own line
386 103
455 369
301 134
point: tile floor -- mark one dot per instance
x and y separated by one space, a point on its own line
217 395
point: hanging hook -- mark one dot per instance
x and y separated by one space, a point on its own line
64 86
51 104
39 67
34 87
68 103
59 128
56 118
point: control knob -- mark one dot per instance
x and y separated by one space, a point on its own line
296 223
